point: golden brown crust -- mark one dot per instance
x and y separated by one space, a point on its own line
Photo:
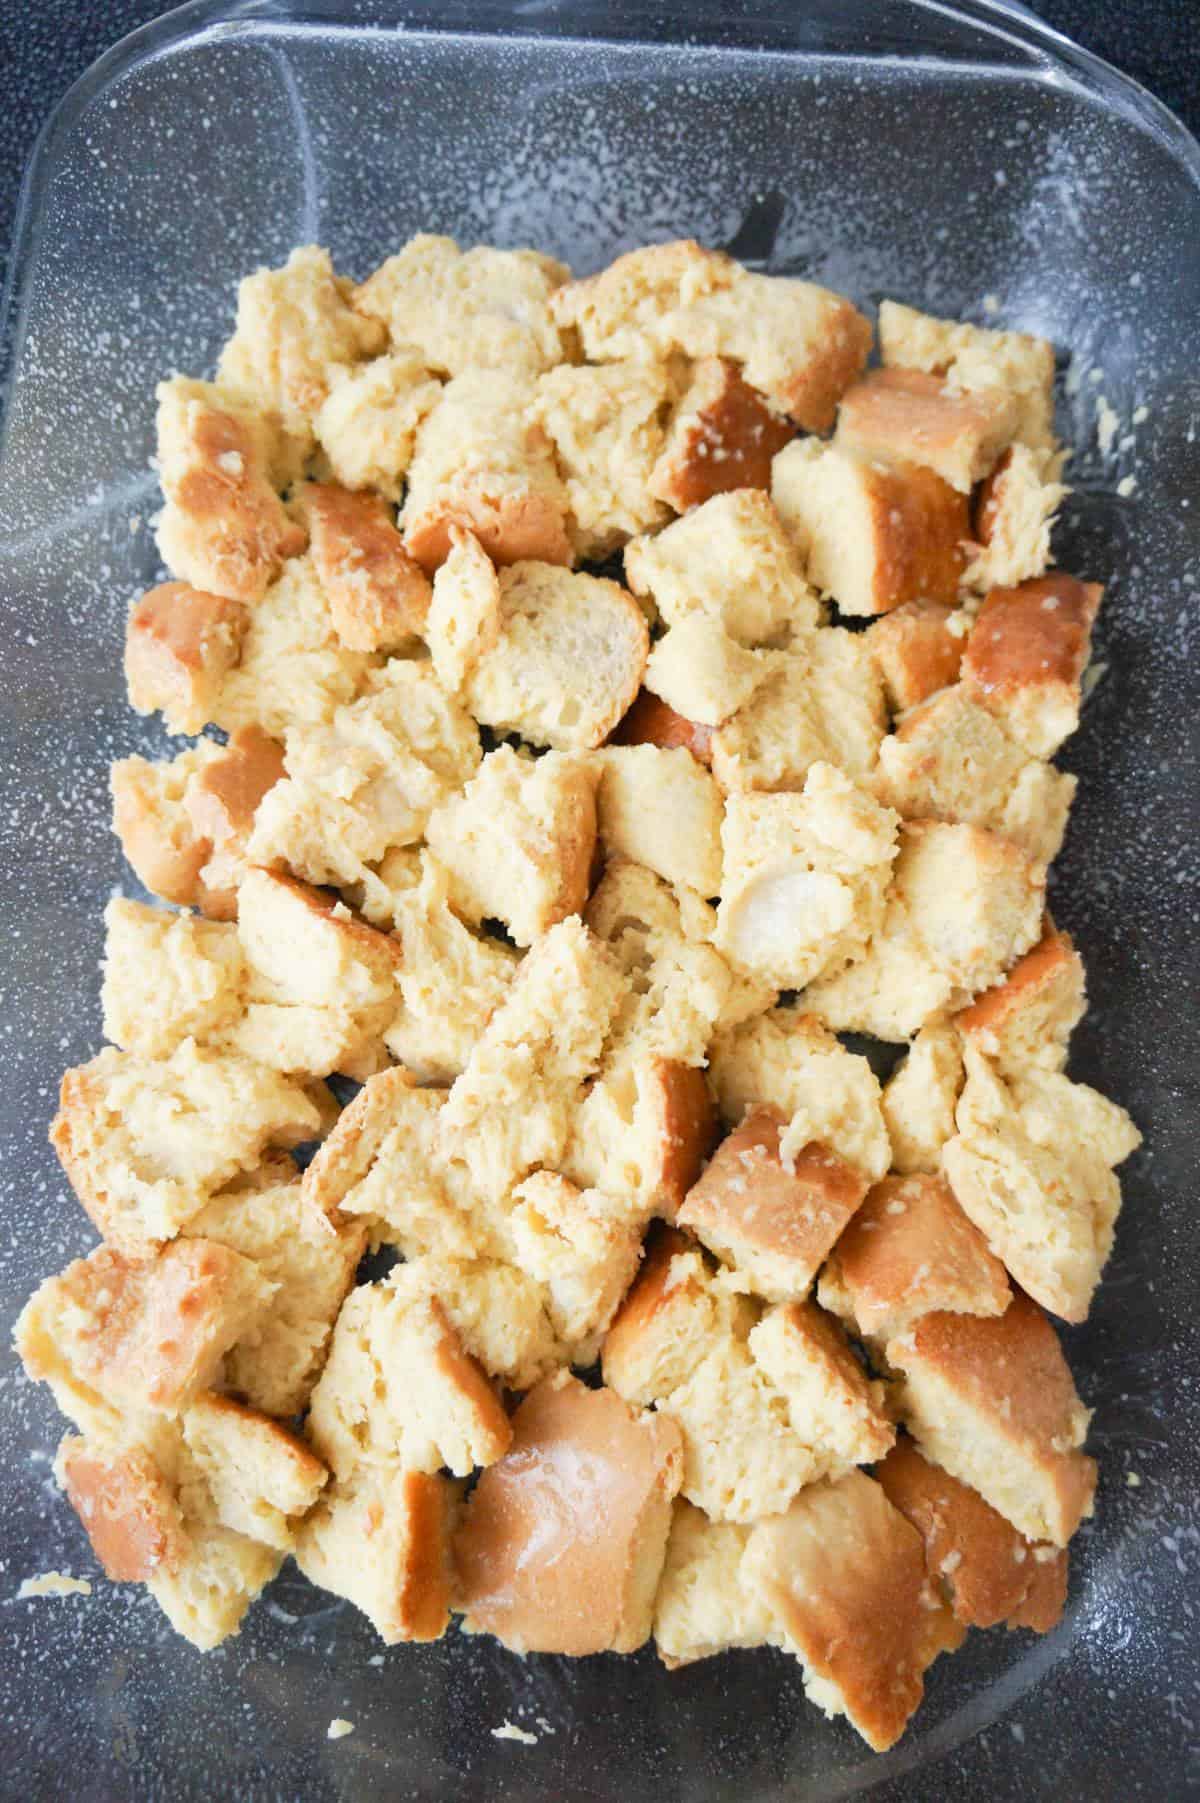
1043 1603
378 596
651 722
1051 959
687 1120
465 1376
909 415
179 643
919 523
222 799
127 1508
167 856
812 395
914 652
423 1600
1035 635
723 436
986 501
511 528
649 1296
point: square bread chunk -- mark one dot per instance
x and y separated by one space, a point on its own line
128 1508
500 1313
1031 1165
1012 517
562 1542
830 1398
651 722
917 650
976 359
773 1221
704 1605
606 424
703 674
872 535
583 1246
1027 1020
1026 654
262 1478
976 1559
382 1541
642 1131
145 1144
179 645
463 623
517 843
378 597
661 809
483 463
367 424
722 436
919 1099
731 561
168 977
993 1402
822 702
842 1575
224 528
566 662
908 1251
909 416
804 877
480 308
951 759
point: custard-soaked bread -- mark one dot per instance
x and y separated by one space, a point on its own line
1032 1165
606 426
566 661
583 1246
798 344
516 844
1026 655
920 1096
367 424
703 1604
910 416
179 645
382 1540
463 623
168 977
917 651
993 1402
662 809
500 1313
1012 517
562 1542
643 1130
1027 1020
871 535
723 435
976 360
378 597
261 1477
910 1250
702 673
127 1505
821 702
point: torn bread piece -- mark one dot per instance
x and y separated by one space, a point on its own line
378 597
483 464
263 1480
703 674
127 1505
168 977
821 702
976 359
180 643
642 1130
992 1401
382 1540
703 1605
1012 517
661 809
651 722
871 535
566 660
464 310
367 424
146 1143
606 425
804 877
500 1313
917 651
831 1399
584 1247
723 435
516 844
920 1095
842 1576
977 1560
221 800
562 1543
1027 1020
1032 1165
463 623
910 416
731 561
909 1251
1026 655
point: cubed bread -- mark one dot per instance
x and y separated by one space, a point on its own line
1032 1165
786 1059
662 809
842 1575
295 329
1043 1603
223 529
562 1543
993 1402
951 759
367 424
804 879
830 1398
920 1096
398 1388
798 344
909 1251
499 1312
651 722
911 416
179 645
583 1246
917 651
642 1131
1027 1020
606 424
703 1605
128 1508
382 1541
674 1313
566 661
221 799
731 561
265 1217
1026 654
773 1221
168 977
463 623
463 310
483 463
261 1477
702 673
871 535
517 843
723 435
1012 517
976 1559
822 702
378 597
158 838
205 1597
976 359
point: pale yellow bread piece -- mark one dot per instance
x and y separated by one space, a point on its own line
909 1251
566 661
500 1313
382 1541
1026 655
993 1402
378 597
831 1400
917 650
911 416
703 674
584 1247
179 645
642 1131
606 423
976 360
661 808
262 1478
723 435
168 977
1027 1020
475 309
463 623
1012 517
367 424
920 1095
842 1576
703 1606
516 843
821 702
562 1543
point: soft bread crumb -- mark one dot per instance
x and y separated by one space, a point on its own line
53 1583
338 1728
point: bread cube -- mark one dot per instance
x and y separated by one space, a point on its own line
917 651
382 1541
606 425
127 1506
702 673
1012 517
662 809
919 1099
872 535
532 1569
830 1398
651 722
378 597
157 836
1026 654
221 799
583 1246
179 645
821 703
703 1605
566 662
673 1315
909 416
500 1313
168 977
976 359
261 1477
517 843
992 1401
642 1131
1027 1020
463 623
367 424
723 436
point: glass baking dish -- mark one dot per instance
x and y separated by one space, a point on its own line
957 157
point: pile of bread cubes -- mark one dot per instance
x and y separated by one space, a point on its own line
580 877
